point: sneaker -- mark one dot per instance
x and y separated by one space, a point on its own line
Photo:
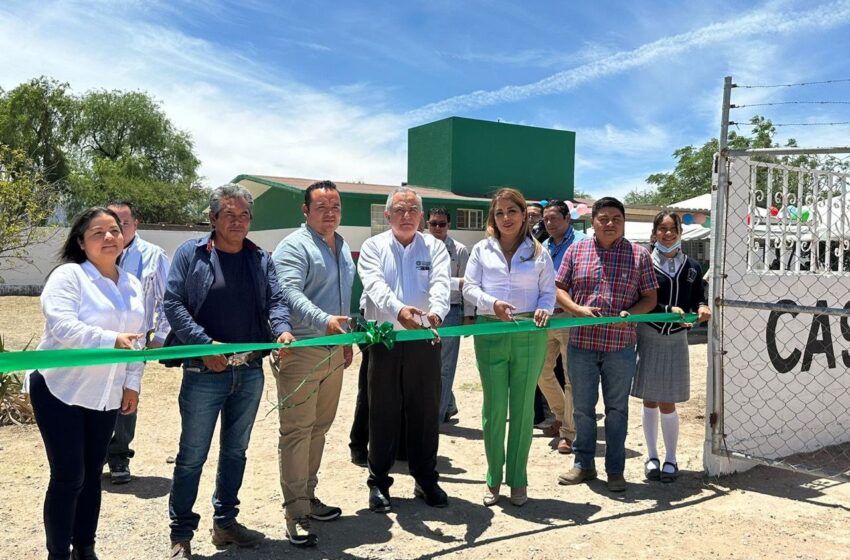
299 532
322 512
379 501
616 482
119 473
577 475
565 446
236 534
181 550
434 496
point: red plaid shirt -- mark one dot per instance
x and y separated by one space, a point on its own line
611 279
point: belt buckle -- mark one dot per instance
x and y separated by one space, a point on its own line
238 359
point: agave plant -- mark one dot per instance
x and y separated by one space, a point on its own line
15 406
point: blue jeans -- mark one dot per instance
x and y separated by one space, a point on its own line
615 370
448 356
235 395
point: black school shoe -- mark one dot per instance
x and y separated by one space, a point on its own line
433 495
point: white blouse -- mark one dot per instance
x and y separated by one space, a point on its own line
528 285
84 309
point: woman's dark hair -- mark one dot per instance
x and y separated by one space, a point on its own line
677 220
72 251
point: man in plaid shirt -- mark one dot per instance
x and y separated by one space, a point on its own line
603 276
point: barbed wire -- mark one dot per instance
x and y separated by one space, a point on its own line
789 103
791 85
838 123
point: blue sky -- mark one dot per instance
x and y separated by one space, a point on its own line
328 89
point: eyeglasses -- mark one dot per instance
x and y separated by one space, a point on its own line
438 224
402 210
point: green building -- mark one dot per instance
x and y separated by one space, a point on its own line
472 157
455 163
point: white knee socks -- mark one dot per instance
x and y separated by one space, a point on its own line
670 432
650 431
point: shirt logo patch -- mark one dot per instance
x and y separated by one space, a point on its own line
692 275
423 265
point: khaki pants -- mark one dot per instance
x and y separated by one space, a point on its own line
306 413
560 400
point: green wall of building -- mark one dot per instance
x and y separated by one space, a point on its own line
473 157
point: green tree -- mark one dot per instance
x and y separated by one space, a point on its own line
692 175
127 148
35 118
27 201
105 145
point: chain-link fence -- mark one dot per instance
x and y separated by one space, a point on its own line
781 337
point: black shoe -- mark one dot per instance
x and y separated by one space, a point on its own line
119 473
83 553
379 501
434 496
360 457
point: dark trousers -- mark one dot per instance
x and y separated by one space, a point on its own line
359 436
119 447
75 439
404 383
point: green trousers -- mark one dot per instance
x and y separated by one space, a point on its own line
509 366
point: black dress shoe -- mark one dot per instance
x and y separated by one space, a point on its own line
379 501
83 553
433 495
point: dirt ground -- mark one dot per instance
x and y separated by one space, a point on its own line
762 513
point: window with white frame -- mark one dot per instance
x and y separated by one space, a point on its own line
471 219
379 222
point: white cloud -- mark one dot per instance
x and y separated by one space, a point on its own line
756 23
243 117
610 139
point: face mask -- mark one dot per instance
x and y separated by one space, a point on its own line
665 249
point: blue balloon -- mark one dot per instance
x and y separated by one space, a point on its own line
688 219
792 211
544 203
574 214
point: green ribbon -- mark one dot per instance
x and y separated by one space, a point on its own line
373 334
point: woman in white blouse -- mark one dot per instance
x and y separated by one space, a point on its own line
88 302
509 275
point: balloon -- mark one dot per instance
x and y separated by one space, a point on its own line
774 211
688 219
574 214
569 206
544 203
748 219
792 212
707 222
699 218
804 216
582 209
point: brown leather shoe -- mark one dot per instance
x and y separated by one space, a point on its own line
565 446
236 534
554 429
181 550
616 482
576 476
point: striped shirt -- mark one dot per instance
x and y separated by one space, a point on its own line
611 279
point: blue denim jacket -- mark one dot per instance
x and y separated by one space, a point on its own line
195 270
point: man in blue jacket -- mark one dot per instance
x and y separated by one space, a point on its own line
221 289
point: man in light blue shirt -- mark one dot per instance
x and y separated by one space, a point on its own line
556 218
316 273
150 265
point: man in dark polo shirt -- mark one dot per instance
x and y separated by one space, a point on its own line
221 289
603 276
